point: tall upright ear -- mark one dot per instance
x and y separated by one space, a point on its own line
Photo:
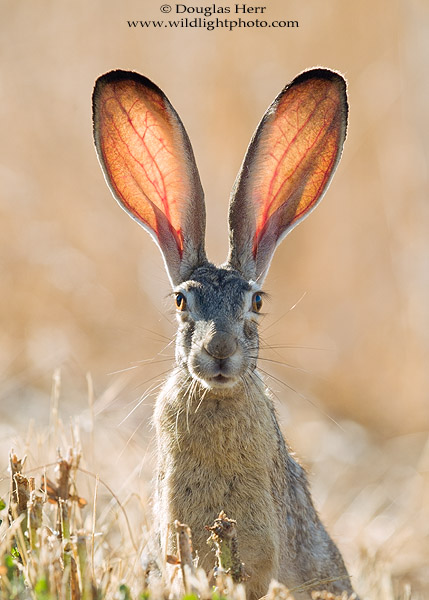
149 165
287 168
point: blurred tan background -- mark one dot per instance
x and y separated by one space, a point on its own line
81 283
83 287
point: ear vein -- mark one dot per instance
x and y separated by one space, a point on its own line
162 194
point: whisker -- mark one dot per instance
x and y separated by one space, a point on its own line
246 384
129 440
273 348
265 346
164 316
123 370
161 335
136 366
152 378
298 301
172 341
142 399
176 429
190 393
314 404
294 367
284 314
184 390
147 361
255 376
203 395
277 362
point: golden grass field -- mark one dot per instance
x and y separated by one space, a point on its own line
84 289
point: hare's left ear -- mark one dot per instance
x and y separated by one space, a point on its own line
150 168
287 168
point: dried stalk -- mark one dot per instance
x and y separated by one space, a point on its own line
224 537
184 548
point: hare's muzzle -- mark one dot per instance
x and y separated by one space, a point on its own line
220 345
217 361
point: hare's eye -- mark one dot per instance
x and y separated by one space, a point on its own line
180 301
256 302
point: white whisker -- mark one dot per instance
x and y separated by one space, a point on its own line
284 314
142 399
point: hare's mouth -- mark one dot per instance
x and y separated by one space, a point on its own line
219 381
216 373
222 379
215 381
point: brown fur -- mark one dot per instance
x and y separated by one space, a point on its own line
219 442
230 455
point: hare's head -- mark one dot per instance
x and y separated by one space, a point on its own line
150 168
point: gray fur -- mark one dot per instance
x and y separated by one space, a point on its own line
221 448
219 442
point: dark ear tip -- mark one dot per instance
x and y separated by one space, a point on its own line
320 73
118 76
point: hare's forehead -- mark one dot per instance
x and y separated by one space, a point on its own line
220 287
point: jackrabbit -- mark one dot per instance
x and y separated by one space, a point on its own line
219 442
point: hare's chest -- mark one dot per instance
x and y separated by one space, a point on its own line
197 492
220 457
217 459
223 438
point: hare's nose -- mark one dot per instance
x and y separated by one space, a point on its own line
220 345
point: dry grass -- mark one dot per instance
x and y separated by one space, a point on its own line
81 284
76 537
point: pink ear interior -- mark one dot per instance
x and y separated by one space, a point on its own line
139 147
288 166
296 155
148 163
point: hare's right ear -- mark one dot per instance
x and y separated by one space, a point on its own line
287 168
150 168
